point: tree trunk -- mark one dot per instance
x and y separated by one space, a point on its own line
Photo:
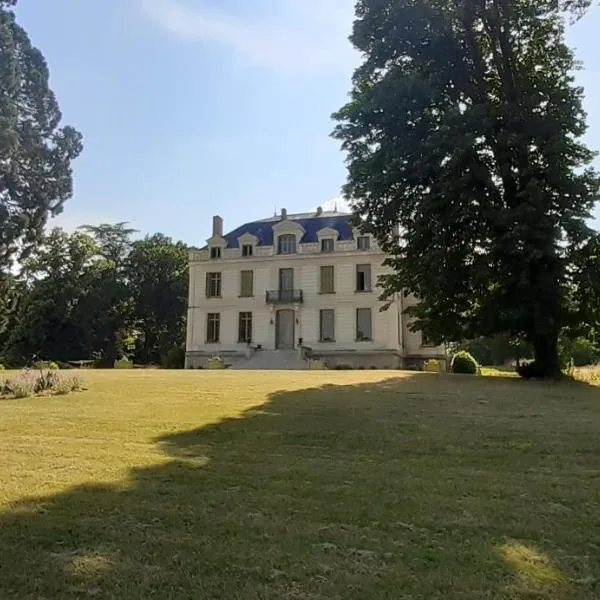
545 349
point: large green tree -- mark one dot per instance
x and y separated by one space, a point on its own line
35 151
157 276
463 135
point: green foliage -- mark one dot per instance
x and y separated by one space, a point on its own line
463 135
580 351
463 362
432 365
124 363
157 271
2 367
95 293
35 152
174 359
45 364
497 350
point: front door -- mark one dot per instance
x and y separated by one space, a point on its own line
285 323
286 284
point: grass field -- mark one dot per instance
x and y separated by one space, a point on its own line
321 485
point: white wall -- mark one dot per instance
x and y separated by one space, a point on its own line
307 278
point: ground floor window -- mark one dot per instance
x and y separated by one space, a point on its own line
245 327
327 325
213 328
363 325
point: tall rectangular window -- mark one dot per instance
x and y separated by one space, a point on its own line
246 284
213 285
286 244
363 242
213 328
363 278
327 325
215 252
327 245
245 327
327 280
247 250
363 325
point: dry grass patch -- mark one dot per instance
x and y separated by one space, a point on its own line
320 485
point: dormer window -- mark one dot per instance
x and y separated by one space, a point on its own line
327 245
286 244
247 250
363 242
215 252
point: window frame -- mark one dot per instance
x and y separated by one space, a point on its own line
322 338
285 246
360 338
249 254
215 252
367 247
213 319
219 285
245 326
322 289
327 240
251 294
366 288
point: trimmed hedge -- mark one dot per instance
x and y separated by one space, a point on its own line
463 362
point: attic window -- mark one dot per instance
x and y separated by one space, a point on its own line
247 250
215 252
286 244
327 245
363 242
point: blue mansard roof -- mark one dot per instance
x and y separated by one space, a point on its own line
312 223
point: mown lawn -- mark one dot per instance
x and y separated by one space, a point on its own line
322 485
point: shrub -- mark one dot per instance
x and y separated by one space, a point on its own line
76 383
45 364
174 359
64 366
124 363
463 362
581 351
21 386
46 382
62 387
432 366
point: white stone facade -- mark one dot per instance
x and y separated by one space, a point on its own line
287 301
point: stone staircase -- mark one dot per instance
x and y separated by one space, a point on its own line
278 360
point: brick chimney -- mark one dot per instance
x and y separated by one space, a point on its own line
284 213
217 226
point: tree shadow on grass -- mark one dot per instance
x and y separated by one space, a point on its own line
409 488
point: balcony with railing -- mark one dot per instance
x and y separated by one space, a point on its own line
284 296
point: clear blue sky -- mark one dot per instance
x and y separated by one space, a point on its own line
190 108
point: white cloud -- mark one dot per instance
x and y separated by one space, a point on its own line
289 36
338 203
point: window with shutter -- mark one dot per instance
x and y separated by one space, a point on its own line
246 284
327 325
327 280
